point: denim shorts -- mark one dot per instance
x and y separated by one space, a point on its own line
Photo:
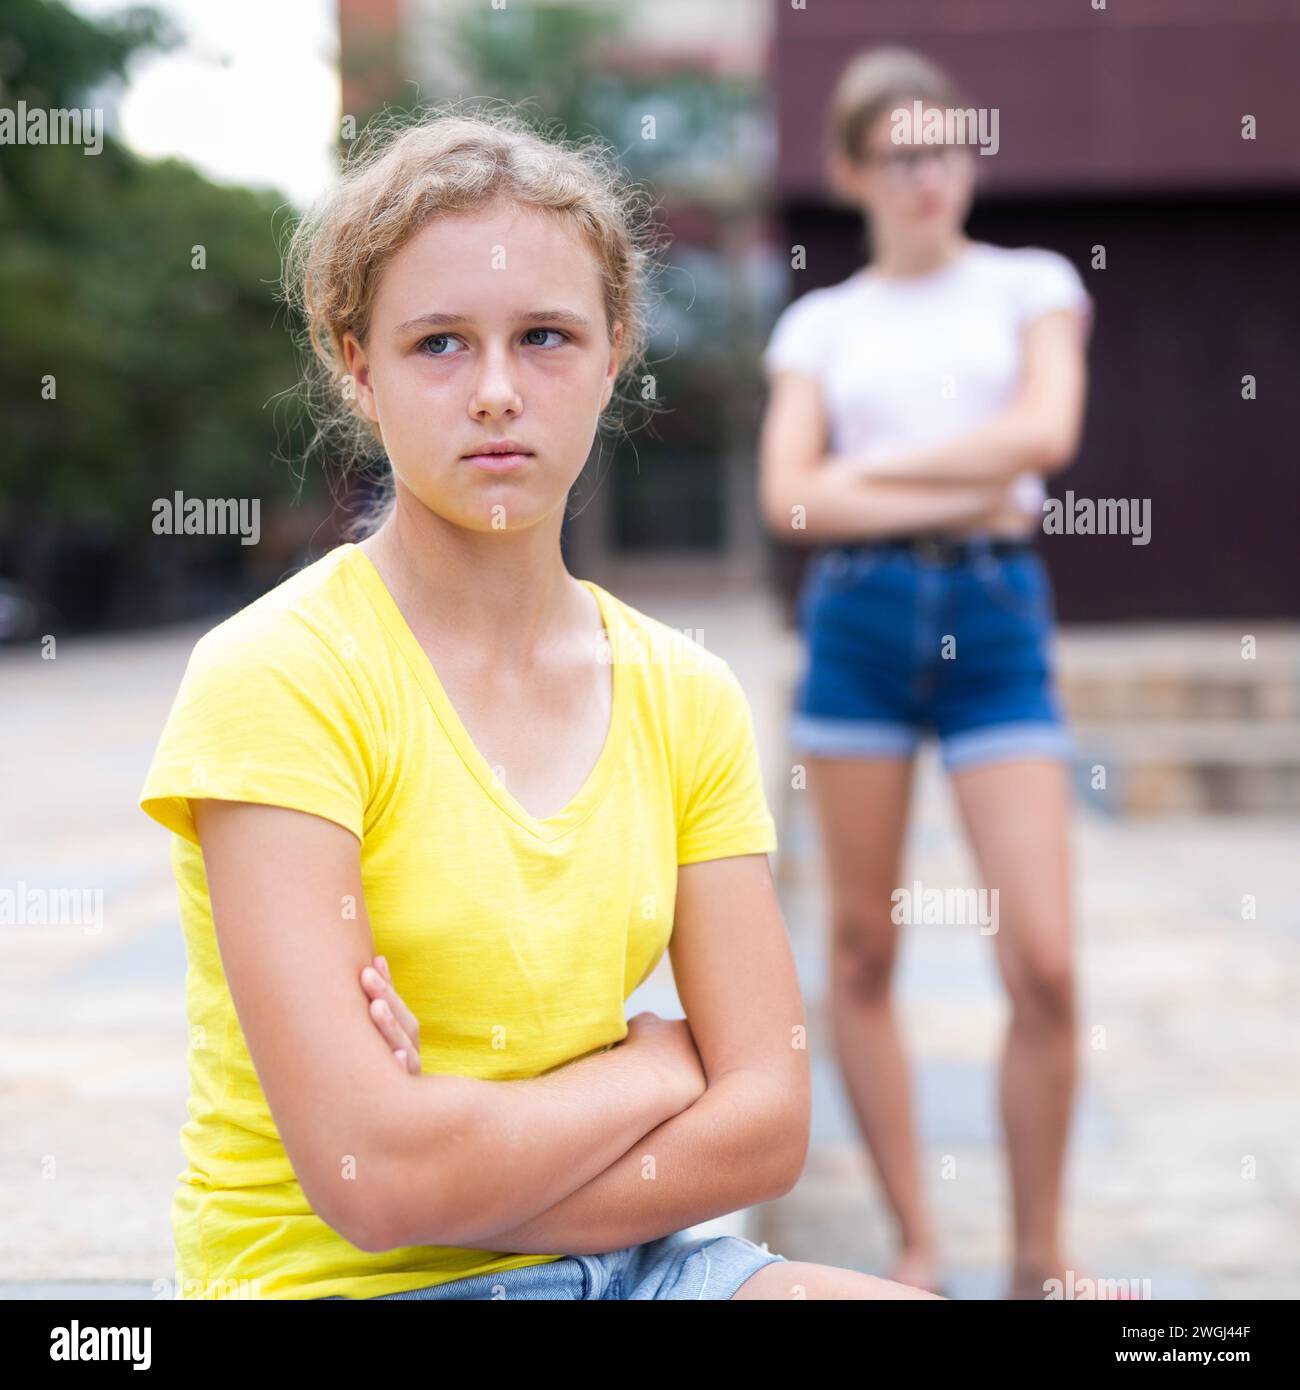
675 1266
899 645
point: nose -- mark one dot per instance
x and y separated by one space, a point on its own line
495 391
932 172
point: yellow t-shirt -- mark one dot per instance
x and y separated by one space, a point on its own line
514 940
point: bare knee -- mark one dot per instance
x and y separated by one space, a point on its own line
1042 989
863 951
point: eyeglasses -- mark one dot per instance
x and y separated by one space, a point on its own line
904 164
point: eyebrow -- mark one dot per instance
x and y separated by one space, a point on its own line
564 316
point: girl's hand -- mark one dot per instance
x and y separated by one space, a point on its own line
398 1026
1017 510
668 1042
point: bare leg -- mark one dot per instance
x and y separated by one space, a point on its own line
793 1279
1017 817
862 812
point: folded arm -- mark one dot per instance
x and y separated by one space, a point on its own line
806 500
811 496
1038 430
745 1140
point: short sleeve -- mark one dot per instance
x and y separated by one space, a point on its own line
266 713
799 338
726 812
1047 281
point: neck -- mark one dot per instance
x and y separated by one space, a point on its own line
506 598
895 257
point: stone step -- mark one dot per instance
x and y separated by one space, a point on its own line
1205 766
1206 672
1141 696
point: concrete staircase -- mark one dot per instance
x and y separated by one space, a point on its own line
1181 721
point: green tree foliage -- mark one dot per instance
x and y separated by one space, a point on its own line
165 376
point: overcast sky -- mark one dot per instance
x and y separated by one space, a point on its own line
252 97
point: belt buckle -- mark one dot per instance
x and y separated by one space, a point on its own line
929 548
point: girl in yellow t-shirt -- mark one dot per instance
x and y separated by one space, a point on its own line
438 809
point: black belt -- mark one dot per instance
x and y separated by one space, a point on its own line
941 549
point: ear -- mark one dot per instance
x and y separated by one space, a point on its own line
844 176
611 372
358 365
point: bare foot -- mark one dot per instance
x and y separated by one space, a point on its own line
918 1266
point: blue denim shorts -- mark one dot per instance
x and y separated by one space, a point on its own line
899 645
675 1266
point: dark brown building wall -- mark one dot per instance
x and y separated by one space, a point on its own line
1144 96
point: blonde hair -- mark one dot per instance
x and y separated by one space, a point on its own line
875 82
397 179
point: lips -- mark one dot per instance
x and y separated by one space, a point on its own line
499 446
500 460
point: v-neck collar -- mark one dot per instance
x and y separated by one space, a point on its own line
592 791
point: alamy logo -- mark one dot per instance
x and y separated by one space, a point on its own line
61 126
1098 516
947 907
682 648
209 516
24 906
945 125
77 1343
1072 1288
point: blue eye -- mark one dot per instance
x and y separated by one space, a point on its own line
545 330
450 337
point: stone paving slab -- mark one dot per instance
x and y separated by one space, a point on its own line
1193 1083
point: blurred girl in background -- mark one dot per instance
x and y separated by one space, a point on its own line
915 407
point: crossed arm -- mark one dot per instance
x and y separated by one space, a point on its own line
737 1145
1038 430
610 1150
745 1139
808 494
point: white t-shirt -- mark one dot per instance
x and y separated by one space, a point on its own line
910 362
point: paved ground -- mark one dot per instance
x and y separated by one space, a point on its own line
1195 1084
1195 1078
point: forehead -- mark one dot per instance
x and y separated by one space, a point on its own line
486 259
880 132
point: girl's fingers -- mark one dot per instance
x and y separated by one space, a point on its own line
380 988
397 1025
392 1031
